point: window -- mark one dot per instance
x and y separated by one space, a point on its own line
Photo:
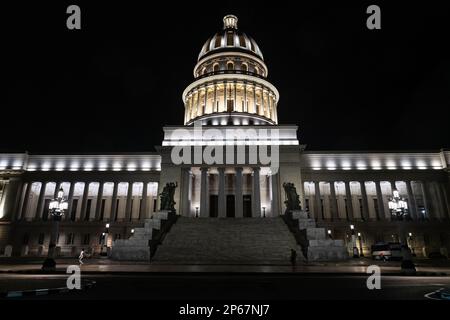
26 239
69 239
230 38
217 42
87 239
230 65
46 212
73 211
102 210
244 67
242 41
41 238
256 70
216 67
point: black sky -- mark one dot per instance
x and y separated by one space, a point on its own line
111 86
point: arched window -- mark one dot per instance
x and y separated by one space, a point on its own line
230 65
257 70
203 70
244 67
216 67
217 43
230 38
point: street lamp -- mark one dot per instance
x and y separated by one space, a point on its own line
361 254
355 249
410 244
397 206
105 241
329 234
57 207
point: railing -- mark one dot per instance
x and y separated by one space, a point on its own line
248 73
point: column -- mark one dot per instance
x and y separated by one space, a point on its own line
84 200
381 214
26 199
57 187
143 207
442 187
254 99
215 99
128 207
98 207
319 212
40 204
256 198
205 100
425 199
238 198
70 200
245 98
225 108
334 206
348 196
365 204
185 205
222 197
235 100
439 199
112 216
411 200
197 113
276 196
204 192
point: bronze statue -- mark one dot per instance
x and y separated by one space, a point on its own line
167 197
292 198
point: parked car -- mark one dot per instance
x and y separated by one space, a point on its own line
388 251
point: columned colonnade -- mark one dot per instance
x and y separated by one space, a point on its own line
328 200
90 201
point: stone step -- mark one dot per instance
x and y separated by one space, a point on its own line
199 240
306 223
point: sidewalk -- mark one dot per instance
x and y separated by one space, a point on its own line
107 266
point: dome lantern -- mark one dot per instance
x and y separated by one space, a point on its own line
230 22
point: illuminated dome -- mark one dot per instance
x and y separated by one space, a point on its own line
230 38
230 86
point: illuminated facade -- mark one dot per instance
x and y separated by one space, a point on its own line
230 91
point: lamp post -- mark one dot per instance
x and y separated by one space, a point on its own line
361 252
57 207
105 241
329 234
355 249
410 244
398 206
264 212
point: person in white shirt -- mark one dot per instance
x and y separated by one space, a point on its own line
80 258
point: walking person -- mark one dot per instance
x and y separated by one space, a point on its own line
81 257
293 257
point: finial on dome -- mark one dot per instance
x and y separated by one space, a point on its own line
230 21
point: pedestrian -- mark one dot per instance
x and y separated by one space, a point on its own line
80 258
293 257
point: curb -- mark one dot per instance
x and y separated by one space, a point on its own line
43 292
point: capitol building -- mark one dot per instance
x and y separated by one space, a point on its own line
231 90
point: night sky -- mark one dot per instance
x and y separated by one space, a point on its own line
113 85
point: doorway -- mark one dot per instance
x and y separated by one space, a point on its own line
247 205
213 205
230 206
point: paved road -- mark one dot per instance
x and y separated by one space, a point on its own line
240 286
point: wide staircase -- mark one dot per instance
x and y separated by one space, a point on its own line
227 241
